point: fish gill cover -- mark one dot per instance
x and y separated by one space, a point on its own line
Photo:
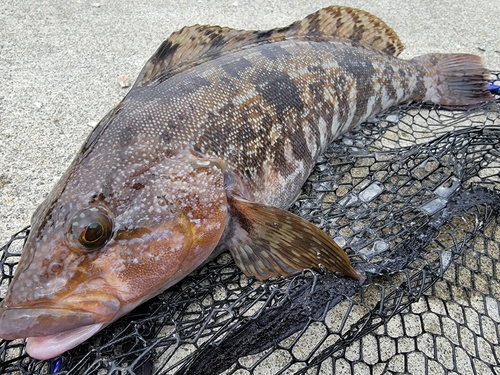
413 198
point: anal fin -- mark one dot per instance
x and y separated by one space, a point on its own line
269 242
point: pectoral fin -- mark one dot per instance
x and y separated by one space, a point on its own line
269 241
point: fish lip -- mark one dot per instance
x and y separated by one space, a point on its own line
19 323
47 347
42 320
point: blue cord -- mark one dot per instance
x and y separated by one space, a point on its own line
55 365
494 89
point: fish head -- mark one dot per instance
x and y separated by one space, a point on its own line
96 251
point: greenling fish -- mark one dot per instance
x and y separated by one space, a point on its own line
210 146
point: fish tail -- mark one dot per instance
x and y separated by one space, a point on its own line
452 79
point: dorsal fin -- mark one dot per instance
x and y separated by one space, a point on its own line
191 44
350 23
195 44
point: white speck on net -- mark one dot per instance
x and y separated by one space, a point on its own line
341 241
434 206
393 117
447 188
371 192
446 258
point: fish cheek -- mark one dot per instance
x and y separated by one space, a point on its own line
167 254
142 266
180 224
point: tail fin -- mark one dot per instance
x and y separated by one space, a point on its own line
453 79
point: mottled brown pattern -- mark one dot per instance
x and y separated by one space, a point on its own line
228 107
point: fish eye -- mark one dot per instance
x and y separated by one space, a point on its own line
91 228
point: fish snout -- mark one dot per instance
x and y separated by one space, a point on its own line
39 320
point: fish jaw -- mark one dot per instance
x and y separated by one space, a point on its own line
47 347
40 321
52 328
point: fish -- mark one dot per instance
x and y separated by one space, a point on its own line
205 154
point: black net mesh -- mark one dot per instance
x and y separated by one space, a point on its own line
413 197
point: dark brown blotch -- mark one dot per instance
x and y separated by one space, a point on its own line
137 186
274 52
235 68
280 91
165 51
192 85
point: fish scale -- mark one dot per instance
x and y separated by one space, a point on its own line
214 140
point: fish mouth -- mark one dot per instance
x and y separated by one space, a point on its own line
51 346
53 330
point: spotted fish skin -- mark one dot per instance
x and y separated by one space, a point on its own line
213 141
270 110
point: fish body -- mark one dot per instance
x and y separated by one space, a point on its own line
212 143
